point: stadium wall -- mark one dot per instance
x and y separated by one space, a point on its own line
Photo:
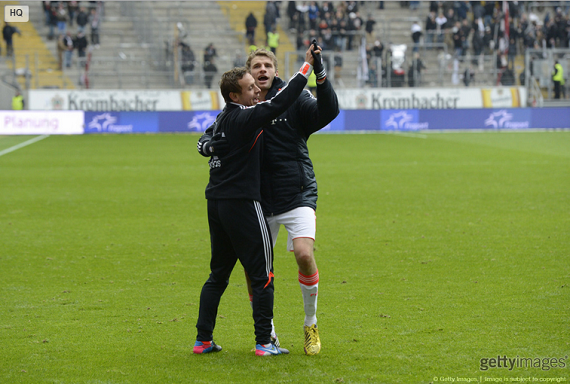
389 120
368 98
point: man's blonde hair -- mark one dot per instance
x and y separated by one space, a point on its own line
260 52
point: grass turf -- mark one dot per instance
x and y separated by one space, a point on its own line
435 251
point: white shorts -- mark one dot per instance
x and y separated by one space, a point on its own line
299 222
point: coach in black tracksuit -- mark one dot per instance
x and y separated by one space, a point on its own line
238 229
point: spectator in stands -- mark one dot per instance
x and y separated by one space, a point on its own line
52 21
47 10
431 29
415 71
466 30
18 102
328 40
463 7
468 75
449 25
354 26
210 70
351 6
458 40
557 79
68 51
273 40
250 26
441 21
82 19
378 49
188 58
71 11
369 28
302 11
488 41
270 17
512 53
337 65
95 23
477 39
209 53
416 35
373 74
293 15
80 43
8 33
252 46
239 60
327 6
434 7
62 18
60 50
313 14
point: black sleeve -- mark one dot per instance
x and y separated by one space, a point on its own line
250 119
316 114
207 136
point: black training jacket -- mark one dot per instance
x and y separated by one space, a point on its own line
236 175
287 177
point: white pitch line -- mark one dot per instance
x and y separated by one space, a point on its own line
21 145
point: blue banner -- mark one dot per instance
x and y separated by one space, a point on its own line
121 122
347 121
195 121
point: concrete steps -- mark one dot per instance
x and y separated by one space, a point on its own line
31 51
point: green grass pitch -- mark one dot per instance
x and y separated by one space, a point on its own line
435 251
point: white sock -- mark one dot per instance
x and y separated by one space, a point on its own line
310 290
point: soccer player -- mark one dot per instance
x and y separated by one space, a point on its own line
288 184
238 229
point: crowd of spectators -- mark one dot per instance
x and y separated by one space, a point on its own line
478 27
69 23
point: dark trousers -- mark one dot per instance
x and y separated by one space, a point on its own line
557 89
238 231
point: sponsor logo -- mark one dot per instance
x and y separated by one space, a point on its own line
201 121
305 69
503 119
361 101
105 122
57 103
110 103
215 162
404 121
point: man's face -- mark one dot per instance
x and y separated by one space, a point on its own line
263 72
249 91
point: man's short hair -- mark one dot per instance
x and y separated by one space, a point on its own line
230 82
260 52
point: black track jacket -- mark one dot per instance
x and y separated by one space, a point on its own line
236 175
287 176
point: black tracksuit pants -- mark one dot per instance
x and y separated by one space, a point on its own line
238 231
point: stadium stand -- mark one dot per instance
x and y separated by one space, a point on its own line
144 44
32 57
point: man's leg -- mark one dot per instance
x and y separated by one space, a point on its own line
309 283
221 264
301 227
250 237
